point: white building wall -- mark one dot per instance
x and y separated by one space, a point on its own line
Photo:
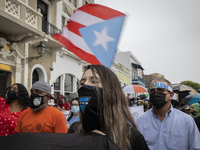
114 68
123 58
66 65
59 15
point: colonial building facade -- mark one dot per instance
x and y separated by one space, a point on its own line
24 25
132 68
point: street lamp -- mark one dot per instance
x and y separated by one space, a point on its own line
40 49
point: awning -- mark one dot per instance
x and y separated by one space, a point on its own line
137 66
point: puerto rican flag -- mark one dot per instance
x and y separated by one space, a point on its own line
92 33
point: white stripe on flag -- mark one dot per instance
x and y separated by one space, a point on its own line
76 40
85 18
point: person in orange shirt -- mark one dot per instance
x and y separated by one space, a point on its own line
41 118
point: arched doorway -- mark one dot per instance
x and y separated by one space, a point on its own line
65 84
35 76
38 73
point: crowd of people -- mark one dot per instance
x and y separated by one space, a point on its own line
193 110
100 109
138 101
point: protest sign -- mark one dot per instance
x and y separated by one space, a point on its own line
136 111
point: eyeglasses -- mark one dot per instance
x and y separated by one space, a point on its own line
74 105
159 90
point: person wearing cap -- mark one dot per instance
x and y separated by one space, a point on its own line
41 118
165 127
140 102
186 109
62 105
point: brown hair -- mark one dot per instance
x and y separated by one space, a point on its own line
115 110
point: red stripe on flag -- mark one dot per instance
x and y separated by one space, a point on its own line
76 50
74 27
100 11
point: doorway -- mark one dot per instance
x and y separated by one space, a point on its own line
44 11
4 77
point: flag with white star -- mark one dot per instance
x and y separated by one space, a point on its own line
92 33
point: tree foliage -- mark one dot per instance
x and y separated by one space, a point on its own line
192 84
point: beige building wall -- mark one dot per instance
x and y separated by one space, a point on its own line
123 78
23 1
67 9
53 14
46 61
32 4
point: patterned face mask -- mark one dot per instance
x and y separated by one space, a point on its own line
37 102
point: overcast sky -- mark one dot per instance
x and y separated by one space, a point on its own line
164 35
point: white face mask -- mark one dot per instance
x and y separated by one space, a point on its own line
75 109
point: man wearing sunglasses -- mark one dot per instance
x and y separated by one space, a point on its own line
164 127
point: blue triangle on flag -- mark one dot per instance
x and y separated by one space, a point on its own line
102 39
83 101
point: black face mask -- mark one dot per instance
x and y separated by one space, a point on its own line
193 113
60 102
36 102
88 102
12 95
158 99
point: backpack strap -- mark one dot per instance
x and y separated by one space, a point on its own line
70 117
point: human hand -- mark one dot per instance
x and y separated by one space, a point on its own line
57 107
67 125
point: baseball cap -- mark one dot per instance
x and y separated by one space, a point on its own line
185 107
141 101
60 97
42 86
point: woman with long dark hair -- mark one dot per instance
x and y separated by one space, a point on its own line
105 111
74 117
10 108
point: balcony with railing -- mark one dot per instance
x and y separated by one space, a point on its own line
49 28
138 81
22 23
21 13
137 75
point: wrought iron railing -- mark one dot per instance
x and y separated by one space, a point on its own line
138 80
49 28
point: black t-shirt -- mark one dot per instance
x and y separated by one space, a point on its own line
197 120
137 140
